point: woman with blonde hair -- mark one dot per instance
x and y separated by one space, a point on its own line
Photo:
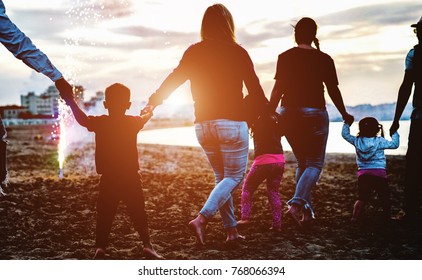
217 68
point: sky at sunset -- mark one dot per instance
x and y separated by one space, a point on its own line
98 42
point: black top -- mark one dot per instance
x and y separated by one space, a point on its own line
301 73
266 136
417 66
116 148
217 71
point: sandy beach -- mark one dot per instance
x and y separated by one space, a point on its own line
43 217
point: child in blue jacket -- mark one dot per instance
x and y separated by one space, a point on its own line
372 176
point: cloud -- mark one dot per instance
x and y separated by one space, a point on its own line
351 23
41 24
367 20
154 38
86 11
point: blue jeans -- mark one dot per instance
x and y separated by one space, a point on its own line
306 130
226 144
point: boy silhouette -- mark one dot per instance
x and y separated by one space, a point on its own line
116 160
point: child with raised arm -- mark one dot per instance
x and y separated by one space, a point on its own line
370 145
116 159
268 165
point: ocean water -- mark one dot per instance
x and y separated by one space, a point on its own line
185 136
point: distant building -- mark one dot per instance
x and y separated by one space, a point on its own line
47 103
12 111
98 98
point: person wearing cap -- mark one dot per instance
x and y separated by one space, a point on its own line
412 76
22 48
300 77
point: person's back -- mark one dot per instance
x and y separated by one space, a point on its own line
369 145
268 165
302 74
116 158
216 70
116 150
371 161
266 136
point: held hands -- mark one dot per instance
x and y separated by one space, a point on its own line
65 89
394 127
146 112
147 109
146 116
348 119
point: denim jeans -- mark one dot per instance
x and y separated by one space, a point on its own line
226 144
306 130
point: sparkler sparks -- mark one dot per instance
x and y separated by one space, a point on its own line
64 121
83 15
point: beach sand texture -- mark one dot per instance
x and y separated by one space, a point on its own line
43 217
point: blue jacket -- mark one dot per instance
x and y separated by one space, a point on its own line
23 48
370 150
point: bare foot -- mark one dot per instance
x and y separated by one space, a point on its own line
150 253
197 226
99 254
233 235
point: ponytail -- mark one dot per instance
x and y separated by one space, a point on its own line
316 42
382 130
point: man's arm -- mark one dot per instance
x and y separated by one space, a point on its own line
402 99
22 47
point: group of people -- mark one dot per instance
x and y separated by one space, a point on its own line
217 68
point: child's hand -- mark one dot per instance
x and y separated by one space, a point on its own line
146 116
349 119
147 109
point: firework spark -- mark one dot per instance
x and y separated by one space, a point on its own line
64 121
83 15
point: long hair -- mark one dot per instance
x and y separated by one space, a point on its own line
305 32
217 24
369 127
